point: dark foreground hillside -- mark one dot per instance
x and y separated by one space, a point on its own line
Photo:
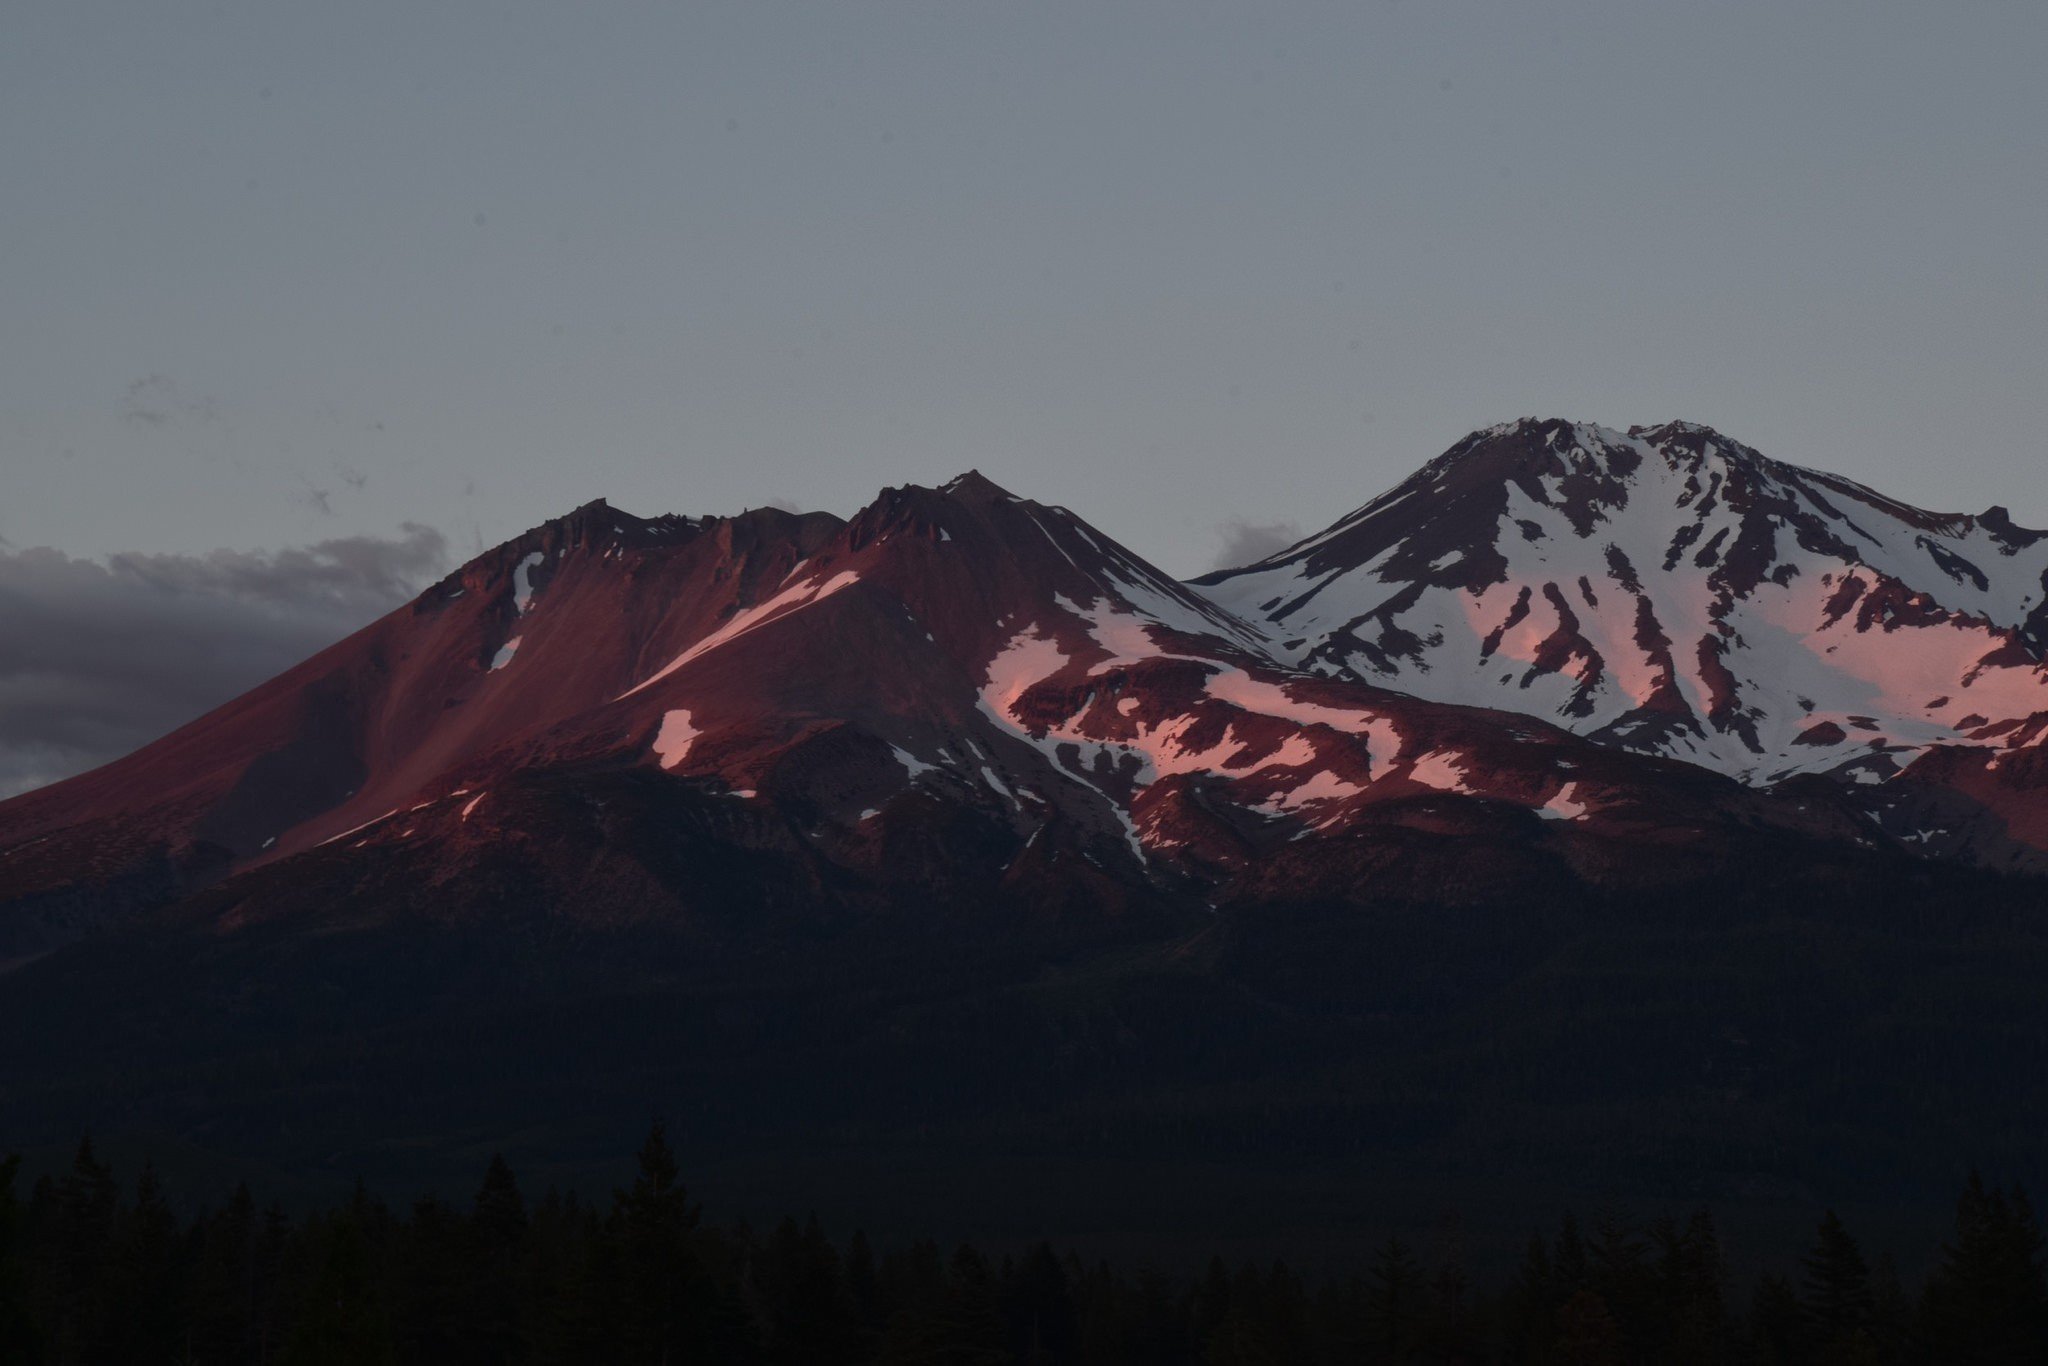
1264 1076
93 1269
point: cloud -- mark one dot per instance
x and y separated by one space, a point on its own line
99 657
1249 542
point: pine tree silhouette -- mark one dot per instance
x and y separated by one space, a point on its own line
19 1340
654 1279
1779 1335
1396 1299
1837 1293
1987 1302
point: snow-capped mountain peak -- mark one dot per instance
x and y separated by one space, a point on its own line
1671 590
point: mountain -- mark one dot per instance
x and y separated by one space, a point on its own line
954 860
1667 590
957 687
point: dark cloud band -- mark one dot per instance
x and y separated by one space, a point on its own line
100 657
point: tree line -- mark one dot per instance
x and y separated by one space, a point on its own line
94 1272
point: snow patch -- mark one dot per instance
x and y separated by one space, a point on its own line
912 765
672 742
522 581
989 776
752 619
1032 656
364 826
1318 787
1441 770
1565 806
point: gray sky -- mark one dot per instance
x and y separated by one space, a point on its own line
278 274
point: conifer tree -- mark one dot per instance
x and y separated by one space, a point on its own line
656 1271
499 1212
344 1320
803 1313
1040 1309
144 1275
1836 1291
1448 1334
1622 1276
1779 1334
1587 1334
1532 1304
432 1281
975 1310
1395 1302
564 1316
75 1218
1891 1315
1211 1302
958 1326
268 1282
1570 1262
1283 1308
1699 1328
1987 1301
1688 1322
222 1290
495 1294
18 1338
863 1285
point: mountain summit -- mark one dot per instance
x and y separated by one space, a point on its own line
1670 591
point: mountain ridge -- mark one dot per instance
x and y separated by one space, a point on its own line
954 655
1003 658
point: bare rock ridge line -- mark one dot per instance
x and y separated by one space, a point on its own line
1555 645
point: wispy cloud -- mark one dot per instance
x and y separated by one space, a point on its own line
1249 542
